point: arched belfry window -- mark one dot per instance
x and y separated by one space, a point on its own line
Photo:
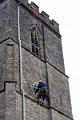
35 42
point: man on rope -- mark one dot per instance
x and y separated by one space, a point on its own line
40 90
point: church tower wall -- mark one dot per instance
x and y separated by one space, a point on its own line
43 60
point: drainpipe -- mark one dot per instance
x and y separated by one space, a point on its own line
20 67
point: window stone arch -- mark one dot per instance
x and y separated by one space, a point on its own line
35 41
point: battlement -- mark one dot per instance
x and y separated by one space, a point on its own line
43 16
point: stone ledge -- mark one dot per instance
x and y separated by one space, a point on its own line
61 113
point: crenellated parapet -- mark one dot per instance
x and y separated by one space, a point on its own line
43 16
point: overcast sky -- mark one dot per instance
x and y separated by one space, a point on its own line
66 13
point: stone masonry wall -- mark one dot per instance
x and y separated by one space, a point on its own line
53 49
57 116
2 105
10 101
9 63
33 111
49 67
59 91
2 65
9 26
27 20
26 23
33 69
4 20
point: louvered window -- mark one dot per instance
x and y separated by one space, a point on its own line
34 39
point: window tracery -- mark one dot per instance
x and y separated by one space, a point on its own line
34 40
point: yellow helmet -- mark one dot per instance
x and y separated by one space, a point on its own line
38 80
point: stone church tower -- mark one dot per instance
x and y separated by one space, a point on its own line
30 49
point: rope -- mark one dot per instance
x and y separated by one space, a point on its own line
39 60
39 68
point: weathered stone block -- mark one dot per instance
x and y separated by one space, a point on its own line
9 62
57 116
18 106
10 100
59 91
2 106
53 49
35 112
